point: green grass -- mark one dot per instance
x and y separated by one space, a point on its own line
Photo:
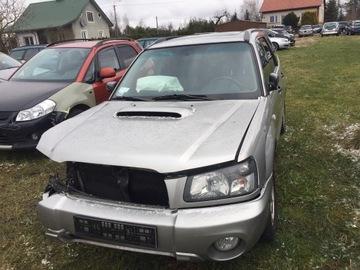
319 188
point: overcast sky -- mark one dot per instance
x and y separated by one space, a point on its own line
168 11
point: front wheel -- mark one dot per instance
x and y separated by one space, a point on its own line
271 225
276 46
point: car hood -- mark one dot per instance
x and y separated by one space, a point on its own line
5 74
16 95
162 136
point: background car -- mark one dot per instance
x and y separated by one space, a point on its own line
330 29
8 66
306 30
278 41
355 27
146 42
344 28
317 28
25 53
59 83
284 33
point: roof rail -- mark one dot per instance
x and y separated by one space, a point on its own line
101 40
248 33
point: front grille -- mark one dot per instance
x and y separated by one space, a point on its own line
11 139
119 184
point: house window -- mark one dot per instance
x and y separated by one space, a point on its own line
29 40
90 16
101 34
272 19
84 34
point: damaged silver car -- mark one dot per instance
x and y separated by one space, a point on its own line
179 162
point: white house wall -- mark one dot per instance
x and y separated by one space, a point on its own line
21 38
92 29
281 14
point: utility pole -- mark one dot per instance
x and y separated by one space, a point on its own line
157 25
116 22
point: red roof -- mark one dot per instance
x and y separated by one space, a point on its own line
280 5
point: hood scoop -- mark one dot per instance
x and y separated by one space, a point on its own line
155 112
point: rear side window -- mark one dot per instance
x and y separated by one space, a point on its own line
108 58
126 55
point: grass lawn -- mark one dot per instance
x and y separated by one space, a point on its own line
318 180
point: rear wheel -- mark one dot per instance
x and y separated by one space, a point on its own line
283 121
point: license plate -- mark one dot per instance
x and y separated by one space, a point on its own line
114 231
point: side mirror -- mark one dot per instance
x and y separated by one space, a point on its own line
273 81
107 72
110 86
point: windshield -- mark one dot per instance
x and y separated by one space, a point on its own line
216 71
7 62
306 27
53 64
329 26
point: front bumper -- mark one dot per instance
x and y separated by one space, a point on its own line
305 34
329 33
26 135
186 234
284 45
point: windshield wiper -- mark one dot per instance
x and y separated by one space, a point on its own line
129 98
182 97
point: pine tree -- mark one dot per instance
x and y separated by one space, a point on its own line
331 11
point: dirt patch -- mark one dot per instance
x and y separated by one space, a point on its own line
347 140
306 41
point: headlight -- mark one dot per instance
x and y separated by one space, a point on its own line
233 181
37 111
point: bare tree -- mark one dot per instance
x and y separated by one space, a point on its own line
250 10
220 16
10 11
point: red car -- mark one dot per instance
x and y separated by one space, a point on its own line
58 83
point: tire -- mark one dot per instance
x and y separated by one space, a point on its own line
272 221
283 122
74 112
276 46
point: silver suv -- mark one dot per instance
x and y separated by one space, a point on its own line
179 161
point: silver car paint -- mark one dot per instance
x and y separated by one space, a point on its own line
193 141
215 219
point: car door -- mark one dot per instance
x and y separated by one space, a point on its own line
106 58
271 64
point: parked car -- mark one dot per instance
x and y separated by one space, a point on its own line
58 83
355 27
25 53
146 42
344 28
278 41
330 28
286 34
306 30
8 66
179 161
317 28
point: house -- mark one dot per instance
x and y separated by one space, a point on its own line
273 11
239 25
52 21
